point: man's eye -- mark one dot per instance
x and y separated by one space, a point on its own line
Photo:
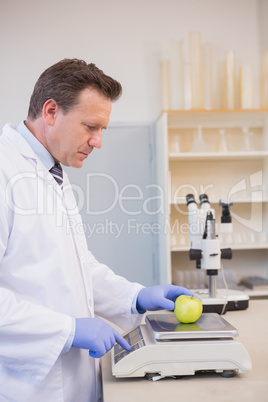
91 128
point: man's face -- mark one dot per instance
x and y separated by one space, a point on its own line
74 135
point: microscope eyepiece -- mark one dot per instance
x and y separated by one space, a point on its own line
190 198
203 198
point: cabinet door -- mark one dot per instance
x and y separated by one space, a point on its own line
115 184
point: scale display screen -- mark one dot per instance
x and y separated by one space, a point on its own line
136 341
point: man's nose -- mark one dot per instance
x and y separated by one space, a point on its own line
96 140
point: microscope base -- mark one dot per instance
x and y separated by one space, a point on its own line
234 300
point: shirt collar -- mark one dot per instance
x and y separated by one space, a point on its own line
39 149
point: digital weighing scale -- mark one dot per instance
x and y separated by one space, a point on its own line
169 348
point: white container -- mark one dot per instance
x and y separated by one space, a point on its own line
229 81
195 56
207 76
177 75
246 86
264 80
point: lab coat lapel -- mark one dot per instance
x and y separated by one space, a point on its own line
67 201
26 151
78 238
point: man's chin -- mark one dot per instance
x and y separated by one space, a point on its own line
74 164
79 161
77 164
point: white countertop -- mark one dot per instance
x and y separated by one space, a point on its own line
252 326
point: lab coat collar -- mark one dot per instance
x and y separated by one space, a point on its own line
43 154
23 147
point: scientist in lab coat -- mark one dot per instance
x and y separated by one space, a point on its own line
52 290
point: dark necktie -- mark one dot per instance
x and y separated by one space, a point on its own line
56 172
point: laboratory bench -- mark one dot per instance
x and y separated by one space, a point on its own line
252 326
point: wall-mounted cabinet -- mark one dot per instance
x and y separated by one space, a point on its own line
225 155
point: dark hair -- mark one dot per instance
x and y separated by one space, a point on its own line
65 80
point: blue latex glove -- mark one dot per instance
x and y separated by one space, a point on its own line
97 336
159 297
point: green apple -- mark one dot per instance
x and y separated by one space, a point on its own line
188 309
181 327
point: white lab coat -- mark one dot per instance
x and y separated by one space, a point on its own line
47 276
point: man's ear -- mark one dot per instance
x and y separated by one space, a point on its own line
50 111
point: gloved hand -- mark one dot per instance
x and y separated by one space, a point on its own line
159 297
97 336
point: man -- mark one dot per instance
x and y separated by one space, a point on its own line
51 286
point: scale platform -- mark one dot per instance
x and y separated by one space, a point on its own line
209 326
166 347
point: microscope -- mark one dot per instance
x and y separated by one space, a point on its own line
206 251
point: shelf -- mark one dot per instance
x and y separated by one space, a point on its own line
216 118
256 293
246 200
218 156
259 246
251 293
212 112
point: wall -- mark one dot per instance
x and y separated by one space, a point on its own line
126 39
123 37
263 26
